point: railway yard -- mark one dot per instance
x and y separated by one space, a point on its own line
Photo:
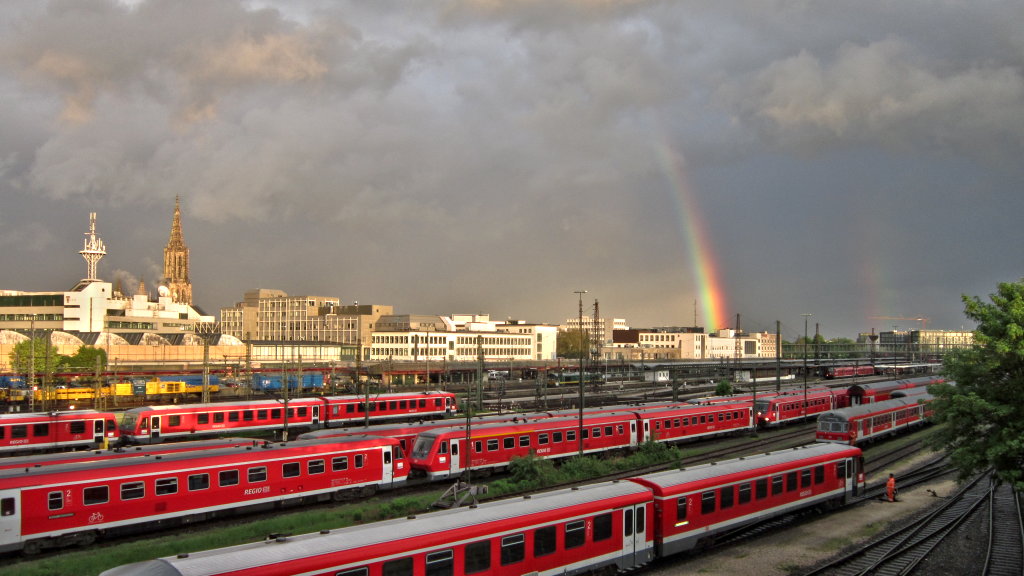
836 542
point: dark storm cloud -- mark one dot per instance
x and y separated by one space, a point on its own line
851 159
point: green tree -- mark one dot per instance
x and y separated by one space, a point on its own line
984 411
85 358
723 388
22 358
571 343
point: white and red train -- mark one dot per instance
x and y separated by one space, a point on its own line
76 503
153 424
614 526
868 422
42 431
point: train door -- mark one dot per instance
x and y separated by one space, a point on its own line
455 465
316 416
634 439
388 473
10 518
154 429
634 537
98 433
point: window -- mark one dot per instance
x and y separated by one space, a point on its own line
841 469
777 485
744 493
524 441
790 481
819 474
7 507
492 444
726 495
40 430
602 527
275 414
513 549
805 478
440 563
77 427
198 481
681 511
227 478
132 490
608 430
166 486
233 417
478 446
218 417
508 442
95 495
340 463
641 522
203 418
544 541
359 460
55 500
315 467
477 557
399 567
542 439
261 414
707 502
570 436
174 420
627 522
257 474
19 431
291 469
248 415
575 534
353 572
761 488
556 436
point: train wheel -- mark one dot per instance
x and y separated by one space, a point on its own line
86 539
32 547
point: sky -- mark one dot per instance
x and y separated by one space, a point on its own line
681 161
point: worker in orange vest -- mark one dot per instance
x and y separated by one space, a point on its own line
890 488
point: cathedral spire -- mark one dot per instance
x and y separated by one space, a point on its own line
176 261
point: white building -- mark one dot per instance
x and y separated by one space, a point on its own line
461 338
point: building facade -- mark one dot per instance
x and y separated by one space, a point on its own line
176 275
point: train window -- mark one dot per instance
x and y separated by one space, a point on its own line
492 444
248 415
726 496
841 469
399 567
477 557
677 424
257 474
227 478
681 511
608 430
641 523
291 469
353 572
721 417
3 429
403 405
218 417
95 495
790 481
707 502
203 418
542 439
478 446
166 486
508 442
340 463
744 493
174 420
602 527
570 435
440 563
524 441
54 500
544 541
686 421
233 417
819 474
77 427
276 413
728 416
423 403
585 433
596 433
556 436
362 407
703 418
761 488
657 424
513 549
382 406
777 485
40 430
359 460
133 490
7 507
575 534
627 522
261 414
350 408
198 481
805 478
622 430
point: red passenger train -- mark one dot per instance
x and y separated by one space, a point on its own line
70 504
880 391
866 422
70 457
607 527
152 424
790 406
45 431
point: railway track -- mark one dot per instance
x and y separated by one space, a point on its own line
901 552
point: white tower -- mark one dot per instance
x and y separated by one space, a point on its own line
93 249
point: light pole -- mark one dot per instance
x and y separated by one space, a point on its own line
806 316
583 351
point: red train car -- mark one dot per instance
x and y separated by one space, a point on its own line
50 459
880 391
689 421
832 372
866 422
603 528
47 431
72 504
696 504
153 424
795 406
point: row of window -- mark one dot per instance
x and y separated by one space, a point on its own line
725 497
40 430
273 414
544 438
702 419
477 557
134 490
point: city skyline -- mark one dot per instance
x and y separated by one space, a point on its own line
682 162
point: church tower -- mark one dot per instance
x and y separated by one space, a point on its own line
176 262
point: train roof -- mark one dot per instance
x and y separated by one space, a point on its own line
418 528
591 419
865 409
895 384
120 452
12 416
673 478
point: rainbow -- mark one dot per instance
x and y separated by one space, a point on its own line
709 286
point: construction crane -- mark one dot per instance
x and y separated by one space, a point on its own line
922 320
